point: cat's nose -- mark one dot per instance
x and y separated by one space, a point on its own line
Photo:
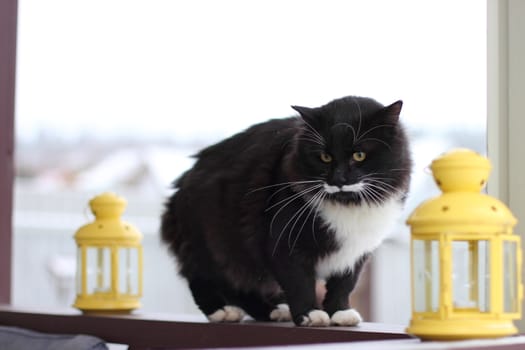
340 178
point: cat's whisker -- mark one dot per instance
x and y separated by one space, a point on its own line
380 182
316 214
290 183
374 128
386 173
376 140
351 128
362 198
380 193
319 178
310 135
313 130
372 195
374 176
373 200
384 186
360 118
290 200
298 215
311 203
292 197
376 184
309 129
377 190
277 192
298 212
313 209
312 140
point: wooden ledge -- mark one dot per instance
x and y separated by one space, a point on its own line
141 331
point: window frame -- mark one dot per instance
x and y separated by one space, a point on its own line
8 26
505 109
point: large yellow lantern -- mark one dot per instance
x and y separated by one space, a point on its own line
466 261
109 263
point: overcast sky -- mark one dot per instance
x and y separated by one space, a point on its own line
209 68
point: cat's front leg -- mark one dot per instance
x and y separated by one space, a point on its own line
298 284
336 301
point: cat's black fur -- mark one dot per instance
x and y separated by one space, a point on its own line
244 235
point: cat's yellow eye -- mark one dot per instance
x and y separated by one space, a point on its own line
359 156
325 157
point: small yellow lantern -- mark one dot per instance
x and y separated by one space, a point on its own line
466 261
109 263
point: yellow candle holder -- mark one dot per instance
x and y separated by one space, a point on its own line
109 259
466 261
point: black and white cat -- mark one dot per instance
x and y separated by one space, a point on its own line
265 213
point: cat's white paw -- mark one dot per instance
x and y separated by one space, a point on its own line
228 313
348 317
217 316
281 313
316 318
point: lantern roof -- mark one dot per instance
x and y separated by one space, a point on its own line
108 227
461 174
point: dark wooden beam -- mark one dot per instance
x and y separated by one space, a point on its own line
8 20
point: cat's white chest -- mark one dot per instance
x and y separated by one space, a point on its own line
358 230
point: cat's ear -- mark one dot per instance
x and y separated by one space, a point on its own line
304 111
308 114
392 112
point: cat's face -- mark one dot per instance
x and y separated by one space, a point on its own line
354 149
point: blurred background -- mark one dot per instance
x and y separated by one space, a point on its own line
115 95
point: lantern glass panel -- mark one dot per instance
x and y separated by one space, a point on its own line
510 277
98 264
471 275
78 279
129 269
426 275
